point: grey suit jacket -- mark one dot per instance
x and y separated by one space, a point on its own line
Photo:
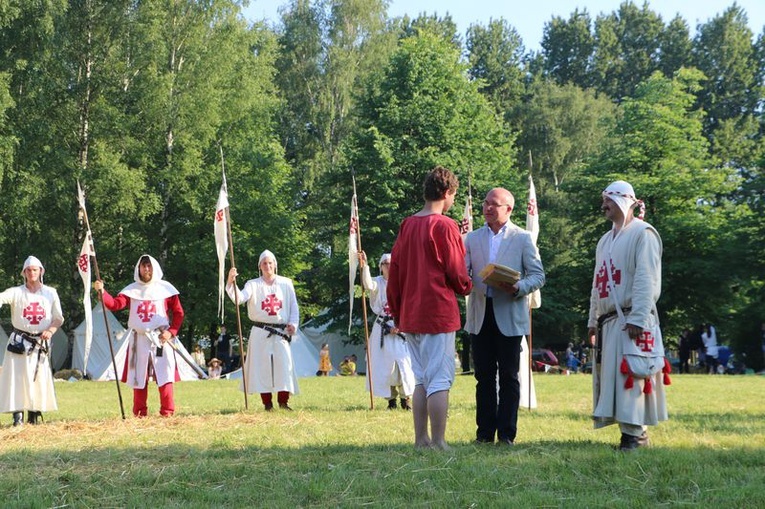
516 251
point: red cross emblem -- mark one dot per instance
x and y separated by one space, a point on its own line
645 342
601 280
386 309
82 262
34 313
219 215
146 310
354 227
532 207
271 304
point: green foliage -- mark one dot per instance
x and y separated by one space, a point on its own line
495 56
660 149
422 112
567 46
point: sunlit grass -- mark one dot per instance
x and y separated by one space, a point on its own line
333 451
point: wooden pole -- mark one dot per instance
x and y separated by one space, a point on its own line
364 305
101 297
242 355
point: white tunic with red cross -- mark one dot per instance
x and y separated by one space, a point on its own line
634 259
391 363
31 312
148 313
269 366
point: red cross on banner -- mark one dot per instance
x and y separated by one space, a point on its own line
531 208
271 304
34 313
82 262
645 342
146 310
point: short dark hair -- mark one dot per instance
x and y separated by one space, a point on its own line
144 260
438 182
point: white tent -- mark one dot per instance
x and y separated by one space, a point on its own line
59 349
100 366
3 344
305 356
305 352
338 347
100 359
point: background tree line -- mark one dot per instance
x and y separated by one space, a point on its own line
146 102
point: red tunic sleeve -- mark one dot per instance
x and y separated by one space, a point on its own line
121 301
175 311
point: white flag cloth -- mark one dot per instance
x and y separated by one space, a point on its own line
532 225
85 268
221 243
353 255
467 216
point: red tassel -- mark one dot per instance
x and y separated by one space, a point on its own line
667 370
629 383
648 387
625 368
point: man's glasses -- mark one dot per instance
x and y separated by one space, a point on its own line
494 205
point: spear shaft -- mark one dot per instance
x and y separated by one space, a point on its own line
103 306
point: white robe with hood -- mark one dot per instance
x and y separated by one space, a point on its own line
394 352
269 366
148 313
636 273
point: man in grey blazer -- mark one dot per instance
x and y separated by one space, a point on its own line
498 318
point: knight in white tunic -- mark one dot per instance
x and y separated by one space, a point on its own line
156 316
273 309
630 370
26 380
390 362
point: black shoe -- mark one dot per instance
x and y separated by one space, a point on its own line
285 406
34 417
269 407
481 441
405 404
631 442
392 404
18 418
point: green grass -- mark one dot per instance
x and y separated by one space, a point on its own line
332 451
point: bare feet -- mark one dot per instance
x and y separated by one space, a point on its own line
424 444
441 446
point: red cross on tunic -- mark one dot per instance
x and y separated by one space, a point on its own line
645 342
386 309
82 262
34 313
146 310
271 304
601 280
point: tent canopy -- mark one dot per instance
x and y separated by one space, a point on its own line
58 352
100 360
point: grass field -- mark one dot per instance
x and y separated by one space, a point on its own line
332 451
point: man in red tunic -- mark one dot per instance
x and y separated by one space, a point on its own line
427 269
155 318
